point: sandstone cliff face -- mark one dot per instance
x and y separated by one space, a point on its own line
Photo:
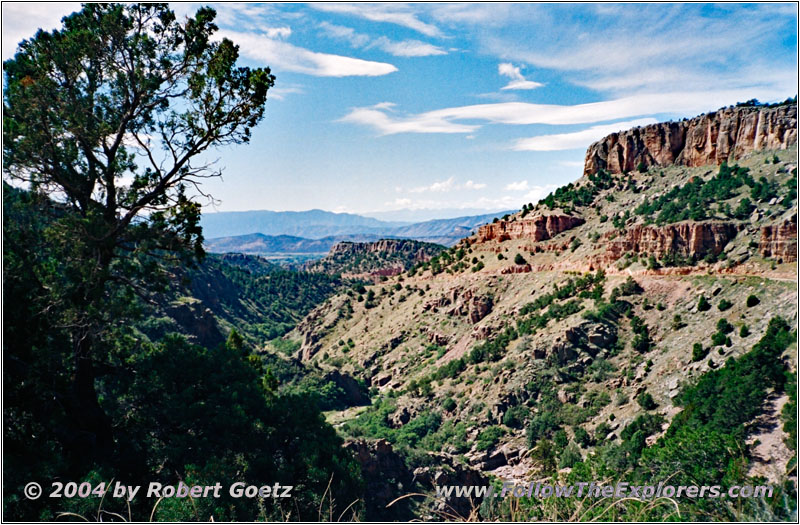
539 228
686 238
779 241
712 138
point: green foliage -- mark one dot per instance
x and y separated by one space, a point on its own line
519 259
489 437
724 305
449 404
582 437
698 352
646 401
703 305
516 416
744 331
692 200
789 412
541 426
584 195
752 301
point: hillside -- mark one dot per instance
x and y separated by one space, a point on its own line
375 259
564 341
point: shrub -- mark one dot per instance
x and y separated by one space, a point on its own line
724 326
752 300
541 426
744 331
570 456
449 404
724 305
646 401
582 437
703 305
698 352
489 437
718 339
515 416
519 259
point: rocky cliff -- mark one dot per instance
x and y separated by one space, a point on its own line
538 228
712 138
779 241
686 238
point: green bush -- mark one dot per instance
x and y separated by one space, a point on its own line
570 456
698 352
519 259
744 331
702 304
752 300
646 401
582 437
515 416
724 305
449 404
489 437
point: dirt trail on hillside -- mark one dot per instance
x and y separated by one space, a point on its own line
770 455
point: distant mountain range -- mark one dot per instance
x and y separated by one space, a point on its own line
316 231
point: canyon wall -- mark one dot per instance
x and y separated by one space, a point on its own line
779 241
713 138
685 238
538 228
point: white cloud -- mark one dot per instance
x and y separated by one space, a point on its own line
390 125
393 14
278 32
578 139
403 48
280 92
408 48
447 186
684 47
344 33
446 120
517 80
443 186
282 55
517 186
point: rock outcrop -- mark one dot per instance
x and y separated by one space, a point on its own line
713 138
539 228
683 238
779 241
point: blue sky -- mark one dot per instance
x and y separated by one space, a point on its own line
382 107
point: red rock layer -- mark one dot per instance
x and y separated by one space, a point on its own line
686 238
727 134
539 228
779 241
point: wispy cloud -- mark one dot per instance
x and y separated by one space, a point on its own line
578 139
407 48
402 48
517 80
399 14
447 120
283 55
686 47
